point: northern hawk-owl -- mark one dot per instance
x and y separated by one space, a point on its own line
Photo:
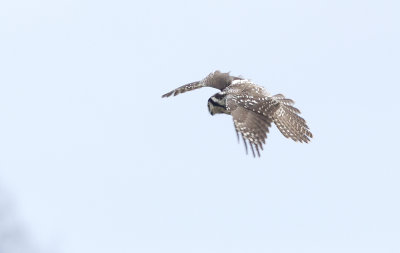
252 109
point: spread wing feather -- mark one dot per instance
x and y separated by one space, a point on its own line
253 115
288 121
252 118
184 88
216 79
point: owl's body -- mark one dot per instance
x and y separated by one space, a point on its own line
252 109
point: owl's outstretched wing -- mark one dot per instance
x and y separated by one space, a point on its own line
288 121
184 88
216 80
253 115
252 118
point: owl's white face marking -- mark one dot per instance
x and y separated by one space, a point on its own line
217 104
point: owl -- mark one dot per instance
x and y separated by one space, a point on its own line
252 108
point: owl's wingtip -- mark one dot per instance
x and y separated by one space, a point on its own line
166 95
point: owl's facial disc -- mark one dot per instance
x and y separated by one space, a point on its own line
217 104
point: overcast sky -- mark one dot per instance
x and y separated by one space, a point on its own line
95 161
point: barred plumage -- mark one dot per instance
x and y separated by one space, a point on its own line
252 109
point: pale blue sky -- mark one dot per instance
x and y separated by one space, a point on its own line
96 161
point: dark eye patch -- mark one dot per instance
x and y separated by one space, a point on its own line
219 96
214 103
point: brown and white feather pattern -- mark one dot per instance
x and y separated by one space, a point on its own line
215 79
252 127
288 121
253 110
184 88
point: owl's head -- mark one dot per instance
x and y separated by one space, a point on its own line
217 104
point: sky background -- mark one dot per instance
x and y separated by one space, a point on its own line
93 160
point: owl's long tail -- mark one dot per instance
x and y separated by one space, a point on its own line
288 121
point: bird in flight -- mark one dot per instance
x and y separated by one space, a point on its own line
252 108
